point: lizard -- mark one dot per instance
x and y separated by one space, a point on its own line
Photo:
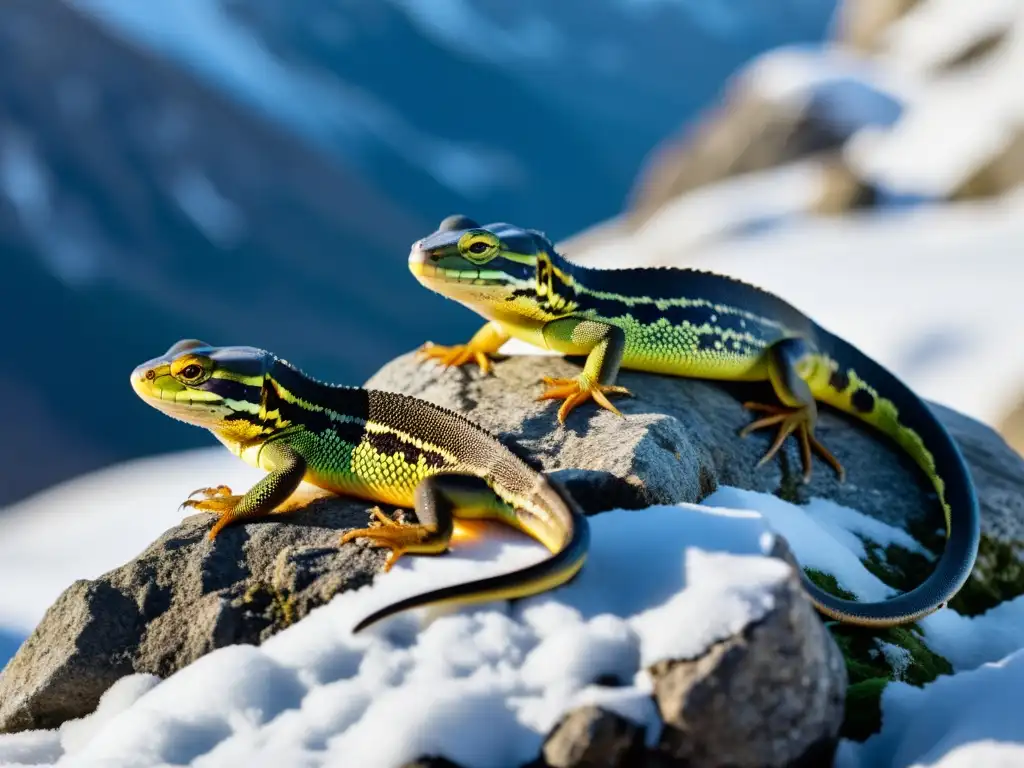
379 446
699 324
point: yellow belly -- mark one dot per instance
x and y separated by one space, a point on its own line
719 367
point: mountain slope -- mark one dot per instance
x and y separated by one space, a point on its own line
138 207
530 111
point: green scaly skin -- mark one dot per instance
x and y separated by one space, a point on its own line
684 322
373 445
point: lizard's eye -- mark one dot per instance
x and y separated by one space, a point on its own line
191 372
479 247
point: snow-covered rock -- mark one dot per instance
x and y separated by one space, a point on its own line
683 600
929 110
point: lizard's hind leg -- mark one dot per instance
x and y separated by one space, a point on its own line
790 362
439 500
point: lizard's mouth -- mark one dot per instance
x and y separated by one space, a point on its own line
160 390
436 269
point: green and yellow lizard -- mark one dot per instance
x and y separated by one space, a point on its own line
684 322
380 446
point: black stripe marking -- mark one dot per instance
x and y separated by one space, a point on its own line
671 283
341 400
344 401
862 400
232 390
839 380
390 443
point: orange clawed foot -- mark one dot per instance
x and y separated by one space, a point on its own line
579 390
455 356
219 501
791 420
398 537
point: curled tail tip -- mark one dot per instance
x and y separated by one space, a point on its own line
547 574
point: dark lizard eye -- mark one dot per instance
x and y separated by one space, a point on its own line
192 371
478 247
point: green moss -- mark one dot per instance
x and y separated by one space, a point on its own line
871 656
789 488
863 709
876 657
998 576
277 606
827 582
870 667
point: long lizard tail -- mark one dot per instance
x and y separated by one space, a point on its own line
864 389
547 574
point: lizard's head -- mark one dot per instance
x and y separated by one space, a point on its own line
219 388
497 267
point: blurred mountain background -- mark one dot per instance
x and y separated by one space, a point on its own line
254 172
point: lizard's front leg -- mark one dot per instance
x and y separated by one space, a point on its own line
603 345
485 342
288 469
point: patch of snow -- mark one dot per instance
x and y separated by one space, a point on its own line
897 657
842 521
968 642
915 130
792 74
75 734
971 716
818 540
848 526
219 219
30 748
707 215
933 32
959 119
848 105
830 538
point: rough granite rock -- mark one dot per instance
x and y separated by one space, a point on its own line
785 665
178 600
592 736
183 596
745 132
